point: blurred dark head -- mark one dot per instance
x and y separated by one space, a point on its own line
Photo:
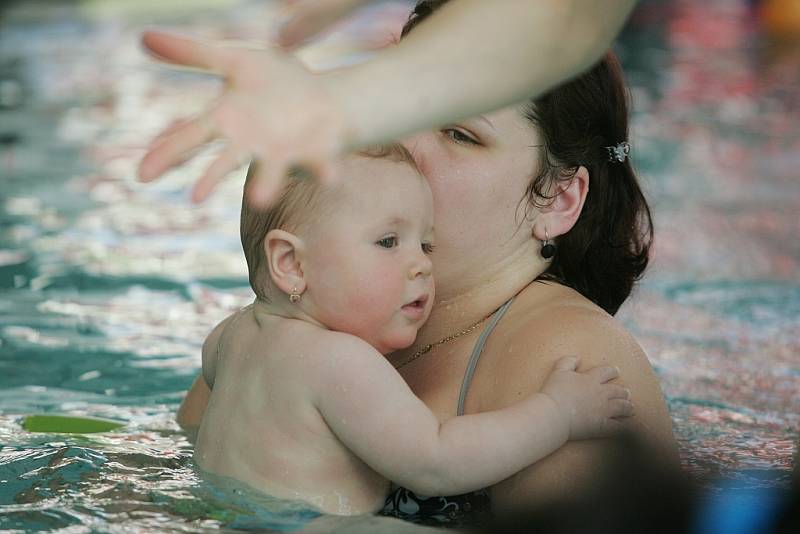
632 492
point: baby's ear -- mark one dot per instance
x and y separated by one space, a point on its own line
282 250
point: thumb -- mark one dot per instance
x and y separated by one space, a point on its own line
567 363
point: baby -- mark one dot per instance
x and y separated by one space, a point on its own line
304 404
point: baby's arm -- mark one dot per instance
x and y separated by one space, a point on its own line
373 412
190 413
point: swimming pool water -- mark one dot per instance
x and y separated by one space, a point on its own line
108 287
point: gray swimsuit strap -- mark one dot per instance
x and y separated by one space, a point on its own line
476 354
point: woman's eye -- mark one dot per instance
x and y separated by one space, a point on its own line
428 248
388 242
459 137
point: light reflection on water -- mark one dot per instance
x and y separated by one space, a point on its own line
108 287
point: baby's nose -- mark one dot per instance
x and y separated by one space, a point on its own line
422 266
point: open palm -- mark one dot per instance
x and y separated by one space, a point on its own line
272 109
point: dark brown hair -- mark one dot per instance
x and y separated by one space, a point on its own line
607 250
299 198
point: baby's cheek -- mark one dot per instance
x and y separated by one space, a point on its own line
375 292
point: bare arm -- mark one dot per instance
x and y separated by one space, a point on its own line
193 406
448 67
191 410
373 412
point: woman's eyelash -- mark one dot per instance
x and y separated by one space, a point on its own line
428 248
459 137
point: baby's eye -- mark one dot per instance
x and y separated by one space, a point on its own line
459 136
388 242
428 248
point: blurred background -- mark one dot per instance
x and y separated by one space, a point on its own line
108 287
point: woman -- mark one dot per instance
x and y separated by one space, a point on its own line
507 187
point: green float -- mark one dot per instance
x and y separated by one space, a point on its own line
69 424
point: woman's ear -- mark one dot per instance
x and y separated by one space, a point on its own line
560 216
284 253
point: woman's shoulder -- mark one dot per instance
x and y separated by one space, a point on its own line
210 352
549 322
558 318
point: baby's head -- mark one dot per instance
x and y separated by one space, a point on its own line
357 252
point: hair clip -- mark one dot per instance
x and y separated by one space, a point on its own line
619 152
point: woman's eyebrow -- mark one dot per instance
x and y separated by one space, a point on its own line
487 121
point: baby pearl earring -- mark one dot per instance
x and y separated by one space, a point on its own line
294 296
548 248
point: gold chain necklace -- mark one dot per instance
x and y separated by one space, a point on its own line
427 348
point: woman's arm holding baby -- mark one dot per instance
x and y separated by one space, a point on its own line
374 413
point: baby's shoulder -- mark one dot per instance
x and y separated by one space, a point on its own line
325 355
343 348
211 350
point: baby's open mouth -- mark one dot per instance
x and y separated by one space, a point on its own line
418 303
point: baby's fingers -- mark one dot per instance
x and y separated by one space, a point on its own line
567 363
617 392
620 408
603 373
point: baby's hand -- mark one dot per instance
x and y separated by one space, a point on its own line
586 400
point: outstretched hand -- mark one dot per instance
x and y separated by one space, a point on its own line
272 109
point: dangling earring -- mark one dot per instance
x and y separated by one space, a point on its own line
294 296
548 249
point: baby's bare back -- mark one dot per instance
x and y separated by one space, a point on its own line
262 426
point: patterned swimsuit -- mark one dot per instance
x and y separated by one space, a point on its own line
455 510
